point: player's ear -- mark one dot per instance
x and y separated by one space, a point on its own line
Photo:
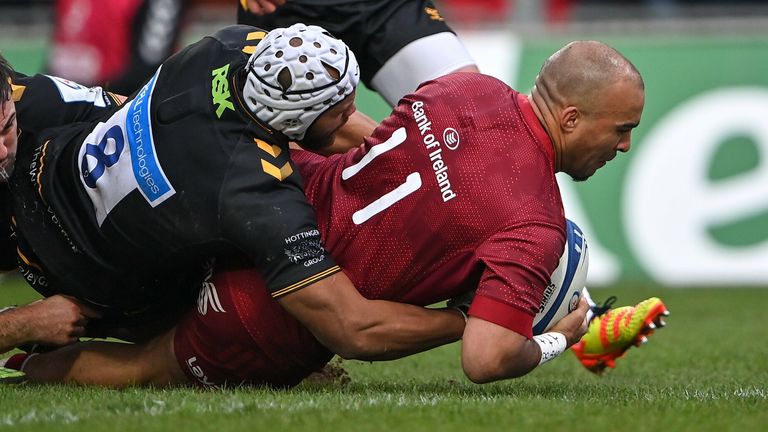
569 118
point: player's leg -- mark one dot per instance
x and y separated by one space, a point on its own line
398 43
412 44
239 334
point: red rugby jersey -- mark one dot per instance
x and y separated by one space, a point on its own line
454 191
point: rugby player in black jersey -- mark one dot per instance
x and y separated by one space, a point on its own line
119 213
399 43
38 102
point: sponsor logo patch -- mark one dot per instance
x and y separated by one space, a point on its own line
220 90
71 92
209 298
118 157
198 372
305 248
451 138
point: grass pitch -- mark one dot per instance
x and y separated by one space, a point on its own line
708 370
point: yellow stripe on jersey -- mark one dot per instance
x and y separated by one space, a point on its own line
243 4
17 91
273 150
253 36
257 35
119 100
27 261
308 281
40 171
281 173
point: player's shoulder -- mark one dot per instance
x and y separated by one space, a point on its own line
466 82
30 90
44 101
466 93
239 37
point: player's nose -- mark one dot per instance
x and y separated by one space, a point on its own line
3 149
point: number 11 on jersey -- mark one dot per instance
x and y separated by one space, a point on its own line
412 182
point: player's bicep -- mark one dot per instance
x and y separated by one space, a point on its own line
519 262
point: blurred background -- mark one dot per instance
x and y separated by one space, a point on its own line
688 206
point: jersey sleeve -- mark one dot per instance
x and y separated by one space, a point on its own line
519 261
44 101
7 242
266 214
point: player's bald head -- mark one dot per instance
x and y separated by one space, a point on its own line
581 70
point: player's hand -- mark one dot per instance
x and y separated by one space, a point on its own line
57 320
574 325
263 7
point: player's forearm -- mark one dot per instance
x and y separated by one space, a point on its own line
401 330
357 328
351 135
13 329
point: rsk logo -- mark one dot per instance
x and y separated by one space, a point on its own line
220 90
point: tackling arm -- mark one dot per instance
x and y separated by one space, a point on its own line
357 328
351 135
57 320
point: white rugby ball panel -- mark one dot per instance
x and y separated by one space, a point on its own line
564 290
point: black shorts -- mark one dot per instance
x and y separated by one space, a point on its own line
375 30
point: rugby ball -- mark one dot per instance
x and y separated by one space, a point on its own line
565 286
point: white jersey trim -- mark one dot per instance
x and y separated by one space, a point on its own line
421 60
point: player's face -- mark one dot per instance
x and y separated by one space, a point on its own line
323 131
600 135
8 138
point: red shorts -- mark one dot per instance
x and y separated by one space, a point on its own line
239 334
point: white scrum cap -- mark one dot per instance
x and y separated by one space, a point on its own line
296 74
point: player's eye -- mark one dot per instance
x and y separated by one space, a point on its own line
9 123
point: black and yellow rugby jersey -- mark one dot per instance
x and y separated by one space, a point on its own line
43 102
181 172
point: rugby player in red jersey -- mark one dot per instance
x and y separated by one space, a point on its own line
231 108
455 191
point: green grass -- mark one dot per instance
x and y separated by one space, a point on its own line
708 370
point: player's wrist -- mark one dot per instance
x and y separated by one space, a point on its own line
552 344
